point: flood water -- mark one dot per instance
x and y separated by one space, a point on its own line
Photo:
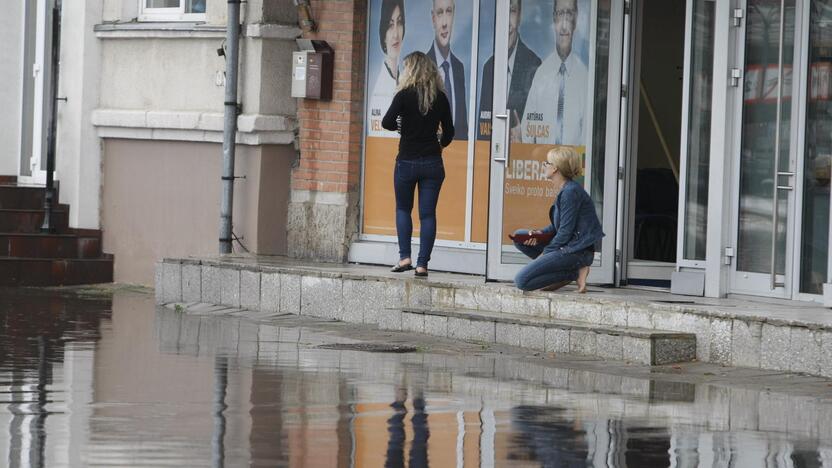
118 382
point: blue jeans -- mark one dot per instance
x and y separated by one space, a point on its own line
549 268
428 174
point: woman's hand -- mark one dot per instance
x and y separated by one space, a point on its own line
532 241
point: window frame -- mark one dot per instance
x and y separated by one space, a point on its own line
148 14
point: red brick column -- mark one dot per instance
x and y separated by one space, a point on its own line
323 212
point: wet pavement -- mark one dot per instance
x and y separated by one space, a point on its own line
98 378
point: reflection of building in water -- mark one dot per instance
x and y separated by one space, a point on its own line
265 396
45 341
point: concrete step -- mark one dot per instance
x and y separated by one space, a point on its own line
621 343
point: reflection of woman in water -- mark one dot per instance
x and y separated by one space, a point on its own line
575 227
391 36
396 429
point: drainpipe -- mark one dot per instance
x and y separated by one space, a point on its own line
49 195
229 136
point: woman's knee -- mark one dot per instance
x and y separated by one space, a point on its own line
427 213
521 280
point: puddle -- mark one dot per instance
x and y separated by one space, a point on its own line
94 381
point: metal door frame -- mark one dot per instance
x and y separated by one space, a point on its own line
760 284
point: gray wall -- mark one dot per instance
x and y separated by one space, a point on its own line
162 199
11 63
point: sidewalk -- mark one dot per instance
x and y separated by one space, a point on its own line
744 332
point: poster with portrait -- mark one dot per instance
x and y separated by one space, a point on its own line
443 30
548 97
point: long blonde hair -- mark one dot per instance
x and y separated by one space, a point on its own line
421 74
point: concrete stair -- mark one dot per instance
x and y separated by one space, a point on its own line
791 337
31 258
620 343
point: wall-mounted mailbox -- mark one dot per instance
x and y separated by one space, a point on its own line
312 70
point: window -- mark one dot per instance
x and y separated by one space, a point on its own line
172 10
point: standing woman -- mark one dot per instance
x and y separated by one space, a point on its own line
576 228
417 111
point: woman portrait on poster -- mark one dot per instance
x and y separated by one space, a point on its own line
418 110
391 28
574 229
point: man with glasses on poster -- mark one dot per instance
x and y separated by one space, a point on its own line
555 108
450 67
522 63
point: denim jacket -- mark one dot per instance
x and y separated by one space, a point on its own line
574 222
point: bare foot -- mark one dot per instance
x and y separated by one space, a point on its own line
583 273
555 286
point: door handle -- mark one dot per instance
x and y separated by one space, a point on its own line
501 116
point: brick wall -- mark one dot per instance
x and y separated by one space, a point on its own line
331 132
323 212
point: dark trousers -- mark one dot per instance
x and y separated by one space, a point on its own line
427 174
549 268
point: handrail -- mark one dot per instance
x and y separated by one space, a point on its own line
49 195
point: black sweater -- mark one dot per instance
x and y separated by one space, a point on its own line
418 132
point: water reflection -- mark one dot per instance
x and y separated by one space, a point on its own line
39 333
83 386
396 430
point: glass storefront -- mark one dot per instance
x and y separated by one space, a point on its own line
443 29
557 90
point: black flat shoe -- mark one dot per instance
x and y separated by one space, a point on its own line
400 268
421 274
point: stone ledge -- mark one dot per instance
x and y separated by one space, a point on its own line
568 299
368 293
650 347
158 30
484 316
253 129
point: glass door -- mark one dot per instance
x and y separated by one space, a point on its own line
557 60
765 198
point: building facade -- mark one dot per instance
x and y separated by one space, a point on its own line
139 136
696 118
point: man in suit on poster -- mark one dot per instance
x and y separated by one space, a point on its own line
556 105
450 67
522 63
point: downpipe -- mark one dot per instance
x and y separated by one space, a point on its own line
229 136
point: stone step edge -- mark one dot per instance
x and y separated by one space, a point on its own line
585 341
637 387
531 321
702 311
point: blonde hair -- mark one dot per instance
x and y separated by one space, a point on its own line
421 74
566 160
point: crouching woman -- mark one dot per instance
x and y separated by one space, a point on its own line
569 254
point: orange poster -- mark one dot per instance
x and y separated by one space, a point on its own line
527 196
